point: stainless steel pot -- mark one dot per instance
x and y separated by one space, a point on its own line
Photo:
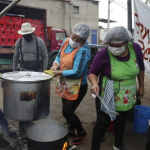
47 136
26 95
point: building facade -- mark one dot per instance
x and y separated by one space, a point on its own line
64 14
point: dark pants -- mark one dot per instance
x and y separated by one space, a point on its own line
102 124
69 108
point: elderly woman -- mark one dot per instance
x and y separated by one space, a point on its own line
73 60
117 66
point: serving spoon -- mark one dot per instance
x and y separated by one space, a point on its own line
107 111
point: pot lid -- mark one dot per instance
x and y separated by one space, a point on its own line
46 131
25 76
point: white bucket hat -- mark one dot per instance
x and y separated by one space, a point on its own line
26 28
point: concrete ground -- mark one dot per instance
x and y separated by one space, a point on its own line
87 115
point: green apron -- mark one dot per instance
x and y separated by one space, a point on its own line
124 75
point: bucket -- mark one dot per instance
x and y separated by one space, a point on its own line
141 119
111 126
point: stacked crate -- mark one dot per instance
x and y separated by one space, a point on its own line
9 27
8 30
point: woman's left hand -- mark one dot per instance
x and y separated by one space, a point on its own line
56 73
140 92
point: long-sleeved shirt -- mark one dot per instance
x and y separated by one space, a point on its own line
80 64
101 63
30 53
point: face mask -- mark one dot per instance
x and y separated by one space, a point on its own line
74 44
117 50
27 37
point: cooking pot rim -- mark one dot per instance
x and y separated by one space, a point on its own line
25 77
32 134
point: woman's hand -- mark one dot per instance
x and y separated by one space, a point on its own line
54 67
57 72
140 92
95 89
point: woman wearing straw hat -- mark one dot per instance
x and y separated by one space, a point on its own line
30 51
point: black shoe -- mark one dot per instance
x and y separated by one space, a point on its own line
79 138
71 135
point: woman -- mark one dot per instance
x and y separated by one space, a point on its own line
73 60
118 64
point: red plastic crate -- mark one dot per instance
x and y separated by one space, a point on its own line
14 42
40 23
18 36
26 20
9 42
36 33
14 27
2 26
33 22
11 35
10 19
3 34
8 27
3 41
18 20
40 29
18 27
41 35
3 19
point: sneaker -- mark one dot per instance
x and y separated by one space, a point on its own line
79 138
121 148
71 135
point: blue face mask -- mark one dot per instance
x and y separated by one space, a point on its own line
74 44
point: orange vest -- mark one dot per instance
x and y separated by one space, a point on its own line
68 88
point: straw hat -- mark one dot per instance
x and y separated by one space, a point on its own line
26 28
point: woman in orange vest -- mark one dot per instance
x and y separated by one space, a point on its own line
73 60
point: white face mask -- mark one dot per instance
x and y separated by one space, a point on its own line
117 50
74 44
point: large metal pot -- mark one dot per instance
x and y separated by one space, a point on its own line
26 95
47 136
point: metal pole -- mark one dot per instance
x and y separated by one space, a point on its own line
146 2
11 5
71 4
129 4
108 20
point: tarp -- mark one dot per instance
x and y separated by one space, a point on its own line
142 30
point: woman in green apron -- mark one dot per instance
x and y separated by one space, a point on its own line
117 67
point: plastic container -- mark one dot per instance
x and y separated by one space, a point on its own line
141 119
18 20
2 26
111 126
3 41
9 42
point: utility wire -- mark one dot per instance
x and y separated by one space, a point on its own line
121 6
124 4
